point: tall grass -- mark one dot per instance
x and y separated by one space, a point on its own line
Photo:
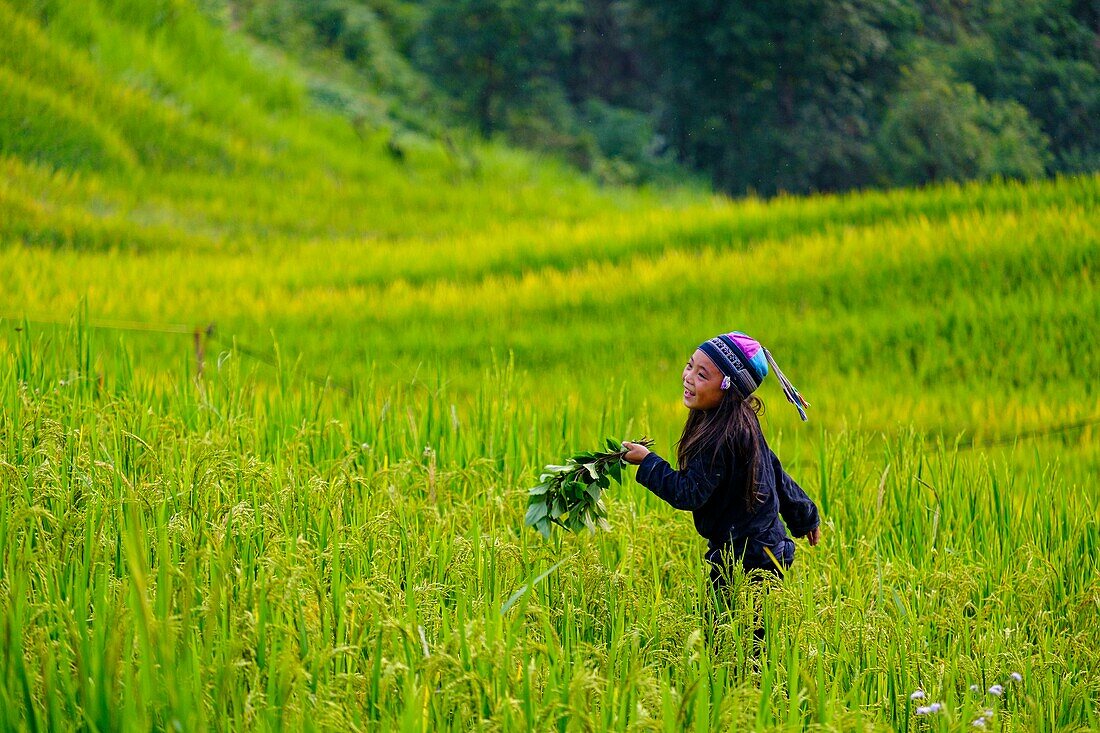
215 554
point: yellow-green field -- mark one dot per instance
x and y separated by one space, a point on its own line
321 530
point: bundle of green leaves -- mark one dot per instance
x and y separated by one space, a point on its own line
569 495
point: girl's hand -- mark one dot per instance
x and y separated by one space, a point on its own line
635 453
814 536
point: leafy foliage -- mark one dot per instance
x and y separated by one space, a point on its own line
802 96
569 495
938 129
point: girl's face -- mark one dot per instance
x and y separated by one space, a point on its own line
702 383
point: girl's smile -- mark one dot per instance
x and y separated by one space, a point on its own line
702 383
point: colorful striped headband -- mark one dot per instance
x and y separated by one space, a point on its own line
744 362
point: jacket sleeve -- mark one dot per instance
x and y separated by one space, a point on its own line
687 489
798 510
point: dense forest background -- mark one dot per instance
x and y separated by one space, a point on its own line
799 96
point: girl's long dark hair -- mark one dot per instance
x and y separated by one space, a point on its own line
734 428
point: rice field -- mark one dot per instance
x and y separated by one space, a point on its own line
321 528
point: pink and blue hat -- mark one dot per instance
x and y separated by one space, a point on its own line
744 364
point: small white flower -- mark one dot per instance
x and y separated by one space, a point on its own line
974 688
917 695
935 707
924 710
979 723
1017 677
988 713
996 690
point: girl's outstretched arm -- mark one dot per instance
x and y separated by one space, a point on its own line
798 510
688 489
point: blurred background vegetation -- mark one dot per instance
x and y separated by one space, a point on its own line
801 96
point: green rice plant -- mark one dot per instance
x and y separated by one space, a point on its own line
232 539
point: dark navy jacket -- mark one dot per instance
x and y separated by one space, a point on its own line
713 494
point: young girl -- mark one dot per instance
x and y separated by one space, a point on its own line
729 478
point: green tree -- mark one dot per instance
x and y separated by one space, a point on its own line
1045 55
779 96
495 56
939 129
611 61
